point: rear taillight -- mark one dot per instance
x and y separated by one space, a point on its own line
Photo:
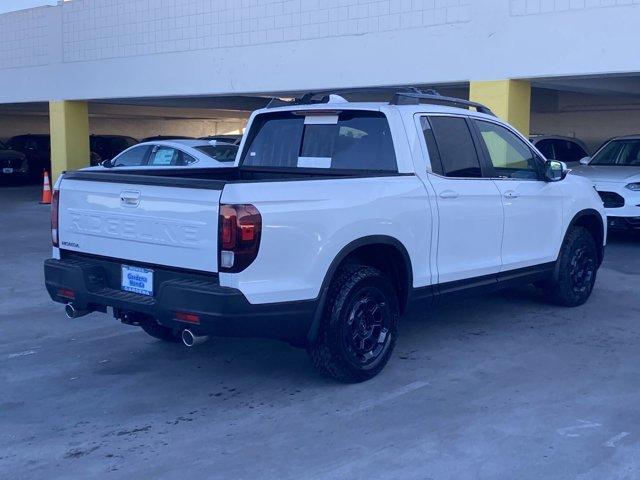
239 231
55 204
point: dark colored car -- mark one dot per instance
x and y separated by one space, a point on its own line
233 139
166 137
37 151
566 149
106 147
13 163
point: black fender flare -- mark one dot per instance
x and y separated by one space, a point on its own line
340 257
592 213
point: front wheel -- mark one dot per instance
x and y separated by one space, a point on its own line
576 270
359 325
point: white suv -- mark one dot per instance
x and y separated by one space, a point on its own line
337 218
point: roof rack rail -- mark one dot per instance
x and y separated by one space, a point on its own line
322 96
401 96
433 97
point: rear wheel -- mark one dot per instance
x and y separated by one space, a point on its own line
576 270
359 325
153 328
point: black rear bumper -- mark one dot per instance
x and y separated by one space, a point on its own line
94 284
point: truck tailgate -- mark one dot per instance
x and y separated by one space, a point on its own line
154 224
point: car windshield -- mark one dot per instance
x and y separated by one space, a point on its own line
622 153
221 153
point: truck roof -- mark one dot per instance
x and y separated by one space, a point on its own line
407 100
376 106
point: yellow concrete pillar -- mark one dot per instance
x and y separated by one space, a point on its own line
69 125
509 100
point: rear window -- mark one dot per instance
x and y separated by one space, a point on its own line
353 140
221 153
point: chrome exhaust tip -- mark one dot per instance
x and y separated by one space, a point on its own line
190 339
72 312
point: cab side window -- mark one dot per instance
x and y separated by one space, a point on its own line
510 156
450 146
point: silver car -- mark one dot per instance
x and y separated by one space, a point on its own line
164 154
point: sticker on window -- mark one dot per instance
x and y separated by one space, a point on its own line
314 162
321 119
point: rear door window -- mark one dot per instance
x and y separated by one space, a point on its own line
353 140
163 156
451 148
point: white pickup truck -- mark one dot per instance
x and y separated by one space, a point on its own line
336 219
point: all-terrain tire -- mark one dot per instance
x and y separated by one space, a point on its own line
359 325
576 270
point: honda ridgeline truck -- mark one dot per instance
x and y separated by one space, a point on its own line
336 219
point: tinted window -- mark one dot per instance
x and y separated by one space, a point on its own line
511 157
17 143
353 141
618 153
546 149
131 158
37 143
451 147
221 153
569 151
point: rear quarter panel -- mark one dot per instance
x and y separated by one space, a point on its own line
307 223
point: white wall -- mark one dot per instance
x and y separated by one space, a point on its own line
89 49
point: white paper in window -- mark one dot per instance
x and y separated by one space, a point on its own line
314 162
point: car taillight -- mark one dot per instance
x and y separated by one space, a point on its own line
55 204
239 231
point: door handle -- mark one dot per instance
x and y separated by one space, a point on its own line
511 194
449 194
130 198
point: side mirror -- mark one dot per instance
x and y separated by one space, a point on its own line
106 164
555 171
585 161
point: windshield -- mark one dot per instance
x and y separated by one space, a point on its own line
221 153
622 153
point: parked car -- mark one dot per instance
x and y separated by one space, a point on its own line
339 218
565 149
166 137
174 154
615 173
37 151
106 147
235 139
13 164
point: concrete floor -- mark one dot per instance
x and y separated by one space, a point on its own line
504 386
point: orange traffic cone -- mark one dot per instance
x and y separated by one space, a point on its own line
46 190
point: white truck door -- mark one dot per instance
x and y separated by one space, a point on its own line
470 212
533 207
